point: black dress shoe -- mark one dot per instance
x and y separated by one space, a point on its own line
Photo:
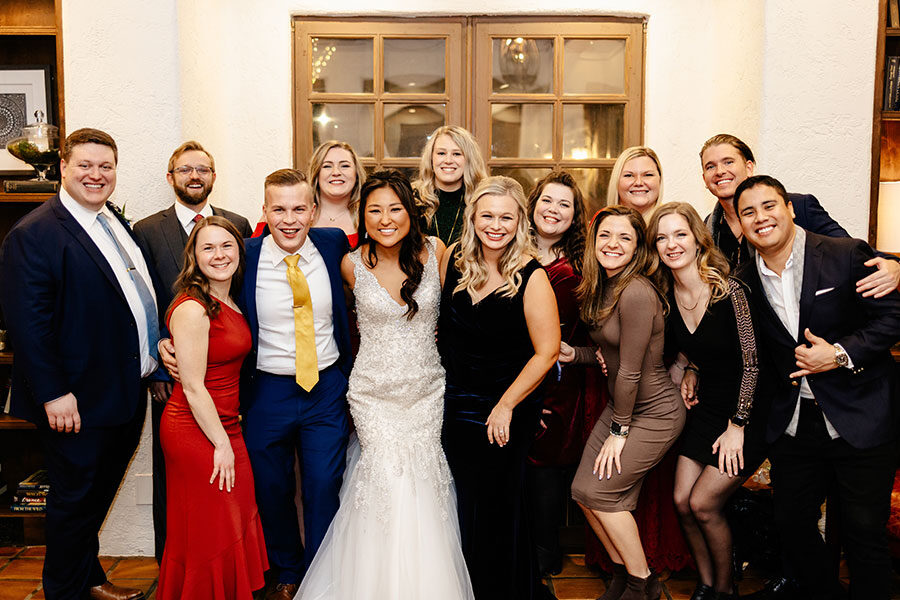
703 592
780 588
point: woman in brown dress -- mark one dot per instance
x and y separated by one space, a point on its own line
646 413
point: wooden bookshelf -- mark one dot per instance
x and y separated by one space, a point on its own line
30 34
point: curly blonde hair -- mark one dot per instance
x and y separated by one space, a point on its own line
315 166
473 172
469 255
711 264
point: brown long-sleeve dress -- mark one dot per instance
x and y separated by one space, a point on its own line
643 397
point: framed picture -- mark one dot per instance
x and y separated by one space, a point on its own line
24 89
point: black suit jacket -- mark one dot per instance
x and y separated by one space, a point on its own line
162 238
858 402
69 321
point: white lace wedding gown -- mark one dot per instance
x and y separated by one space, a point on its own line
396 534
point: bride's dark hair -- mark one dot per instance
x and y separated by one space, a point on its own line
411 246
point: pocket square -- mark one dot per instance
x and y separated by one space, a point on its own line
825 291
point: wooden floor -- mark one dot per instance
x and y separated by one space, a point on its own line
20 577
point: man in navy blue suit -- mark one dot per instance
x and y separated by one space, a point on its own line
833 420
727 161
282 419
78 299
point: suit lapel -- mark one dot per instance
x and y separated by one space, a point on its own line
247 301
69 223
333 266
812 262
174 236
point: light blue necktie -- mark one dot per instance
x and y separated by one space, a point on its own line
143 291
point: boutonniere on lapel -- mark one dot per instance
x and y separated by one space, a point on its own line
119 211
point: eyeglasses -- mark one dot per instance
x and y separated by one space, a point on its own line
186 170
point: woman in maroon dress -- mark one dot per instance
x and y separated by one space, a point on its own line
336 177
215 546
557 214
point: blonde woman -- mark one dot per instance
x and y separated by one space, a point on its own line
498 335
450 168
336 177
645 412
636 181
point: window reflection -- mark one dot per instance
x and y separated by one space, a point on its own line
351 123
414 66
406 127
522 130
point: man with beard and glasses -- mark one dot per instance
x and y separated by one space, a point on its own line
162 236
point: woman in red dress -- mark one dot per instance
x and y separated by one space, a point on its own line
336 177
557 213
215 548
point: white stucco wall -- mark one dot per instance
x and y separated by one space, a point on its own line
793 79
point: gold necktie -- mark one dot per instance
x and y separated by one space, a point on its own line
304 329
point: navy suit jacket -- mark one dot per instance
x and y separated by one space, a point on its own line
860 403
332 245
70 324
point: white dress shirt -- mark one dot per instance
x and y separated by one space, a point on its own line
783 294
186 215
88 220
274 309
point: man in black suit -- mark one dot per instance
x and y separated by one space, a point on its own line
832 422
163 235
78 299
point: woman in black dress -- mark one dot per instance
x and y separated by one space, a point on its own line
450 169
724 439
498 335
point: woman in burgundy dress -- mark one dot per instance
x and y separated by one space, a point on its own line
556 210
215 546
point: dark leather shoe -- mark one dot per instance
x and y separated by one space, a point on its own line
703 592
780 588
283 591
108 591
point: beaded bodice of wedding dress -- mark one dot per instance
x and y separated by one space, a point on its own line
396 391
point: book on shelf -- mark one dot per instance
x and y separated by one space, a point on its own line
894 13
27 508
892 83
36 481
27 499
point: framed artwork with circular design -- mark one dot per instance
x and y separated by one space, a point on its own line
24 89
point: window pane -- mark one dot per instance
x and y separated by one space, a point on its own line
406 127
527 177
593 130
341 66
523 65
594 67
351 123
522 130
414 66
593 183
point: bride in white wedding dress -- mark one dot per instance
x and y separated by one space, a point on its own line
396 534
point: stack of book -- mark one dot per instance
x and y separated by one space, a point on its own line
31 495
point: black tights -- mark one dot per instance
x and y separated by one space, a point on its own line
700 496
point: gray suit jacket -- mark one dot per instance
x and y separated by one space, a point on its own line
162 238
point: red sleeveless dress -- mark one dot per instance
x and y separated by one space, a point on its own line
214 546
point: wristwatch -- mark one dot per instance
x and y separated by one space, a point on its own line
739 421
618 430
841 358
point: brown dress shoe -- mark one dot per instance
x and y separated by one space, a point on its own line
108 591
282 591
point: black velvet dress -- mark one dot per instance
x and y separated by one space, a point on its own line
484 347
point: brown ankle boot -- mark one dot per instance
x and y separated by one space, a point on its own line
616 586
639 588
